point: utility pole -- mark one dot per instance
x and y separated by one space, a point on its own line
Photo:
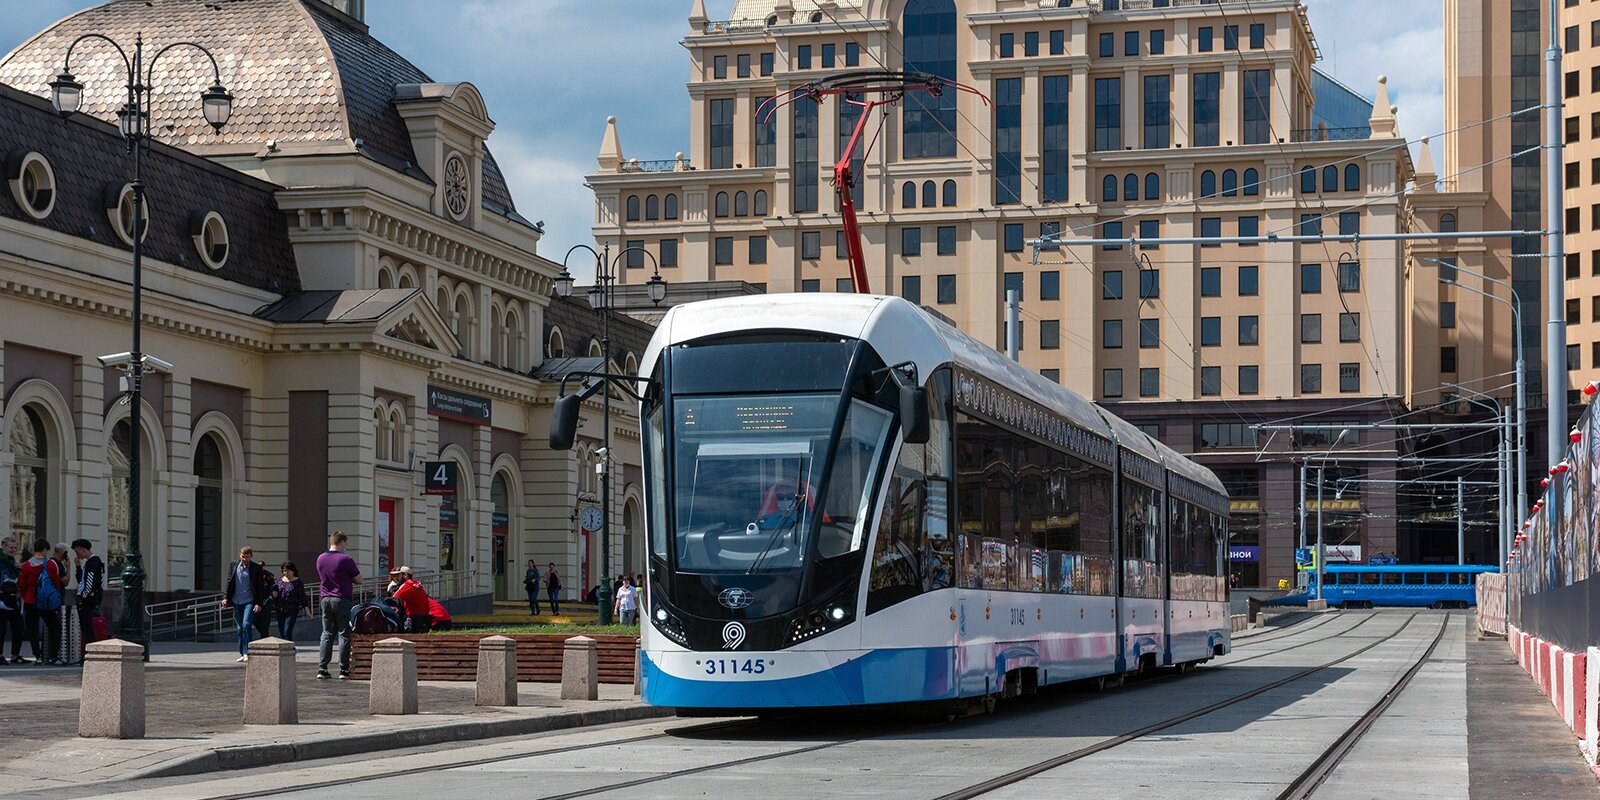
1320 553
1556 331
1014 324
1461 523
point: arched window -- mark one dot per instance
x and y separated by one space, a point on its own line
633 208
1308 180
741 204
555 346
465 325
929 44
949 193
1230 183
1108 189
652 208
1208 184
1252 183
1352 177
30 478
722 205
908 195
630 365
119 508
1130 187
1152 186
1330 178
209 495
453 508
407 279
513 350
1447 223
760 207
385 278
397 432
670 210
500 535
380 422
930 195
594 349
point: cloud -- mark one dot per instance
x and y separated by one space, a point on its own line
548 187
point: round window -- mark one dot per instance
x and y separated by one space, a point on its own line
210 238
33 183
120 210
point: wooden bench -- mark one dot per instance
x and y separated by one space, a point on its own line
454 656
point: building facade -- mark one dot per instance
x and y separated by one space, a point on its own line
1116 120
348 293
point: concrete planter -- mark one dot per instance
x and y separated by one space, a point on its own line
454 656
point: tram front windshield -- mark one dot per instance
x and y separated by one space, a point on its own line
753 491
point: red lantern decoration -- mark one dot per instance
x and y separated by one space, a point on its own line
1552 469
1575 435
1544 482
1591 388
1563 467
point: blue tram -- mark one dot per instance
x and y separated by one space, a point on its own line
1365 586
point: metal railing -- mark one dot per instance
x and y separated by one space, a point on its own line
733 26
189 616
658 165
1325 134
438 585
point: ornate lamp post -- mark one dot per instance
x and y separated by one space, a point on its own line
216 104
602 296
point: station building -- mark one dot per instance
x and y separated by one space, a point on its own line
348 293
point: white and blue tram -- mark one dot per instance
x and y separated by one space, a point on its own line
851 502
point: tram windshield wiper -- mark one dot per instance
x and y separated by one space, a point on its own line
785 523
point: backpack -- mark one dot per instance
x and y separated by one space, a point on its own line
48 596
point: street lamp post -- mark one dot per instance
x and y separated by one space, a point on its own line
66 94
1321 554
1521 376
602 297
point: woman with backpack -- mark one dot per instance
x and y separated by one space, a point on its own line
41 585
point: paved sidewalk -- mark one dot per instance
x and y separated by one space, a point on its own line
194 703
1519 747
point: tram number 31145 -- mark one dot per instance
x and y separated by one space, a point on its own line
735 666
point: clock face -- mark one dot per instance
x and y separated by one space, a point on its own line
591 518
456 185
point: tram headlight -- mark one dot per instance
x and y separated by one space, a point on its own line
836 613
661 615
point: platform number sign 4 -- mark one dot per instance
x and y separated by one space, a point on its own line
440 477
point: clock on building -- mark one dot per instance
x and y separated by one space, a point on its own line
591 518
457 185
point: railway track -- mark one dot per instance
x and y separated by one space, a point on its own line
1313 776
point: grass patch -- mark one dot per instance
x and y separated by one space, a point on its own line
551 628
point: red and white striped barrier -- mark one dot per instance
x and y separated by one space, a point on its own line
1591 706
1570 679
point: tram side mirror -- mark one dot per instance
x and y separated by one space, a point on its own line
914 414
564 422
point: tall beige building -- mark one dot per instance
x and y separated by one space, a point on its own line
1131 119
1580 28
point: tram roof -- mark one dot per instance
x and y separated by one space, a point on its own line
901 331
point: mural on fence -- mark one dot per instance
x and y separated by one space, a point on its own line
1559 545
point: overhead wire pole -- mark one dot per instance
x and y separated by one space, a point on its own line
1556 330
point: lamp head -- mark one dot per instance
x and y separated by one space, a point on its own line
217 105
564 283
66 94
656 288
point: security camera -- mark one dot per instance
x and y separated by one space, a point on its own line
603 452
116 360
153 363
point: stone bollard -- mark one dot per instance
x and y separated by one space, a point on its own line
638 666
269 688
111 703
393 685
497 671
580 670
1315 604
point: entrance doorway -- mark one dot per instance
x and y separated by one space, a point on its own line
500 532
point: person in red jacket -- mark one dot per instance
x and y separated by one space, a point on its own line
41 585
415 599
441 617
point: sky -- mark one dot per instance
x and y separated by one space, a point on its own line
552 70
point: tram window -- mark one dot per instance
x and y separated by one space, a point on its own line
1141 540
1412 578
1369 578
1390 578
1030 517
912 552
655 450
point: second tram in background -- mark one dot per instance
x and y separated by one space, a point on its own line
851 502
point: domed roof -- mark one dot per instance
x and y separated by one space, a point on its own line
299 73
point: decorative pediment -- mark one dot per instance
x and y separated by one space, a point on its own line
416 321
411 329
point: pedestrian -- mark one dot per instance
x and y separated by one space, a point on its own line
627 602
289 599
40 586
91 589
414 599
244 596
530 583
552 583
441 617
10 599
263 618
338 576
65 641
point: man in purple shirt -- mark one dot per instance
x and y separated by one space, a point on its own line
339 576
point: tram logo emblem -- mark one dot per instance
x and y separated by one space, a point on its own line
732 636
736 598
